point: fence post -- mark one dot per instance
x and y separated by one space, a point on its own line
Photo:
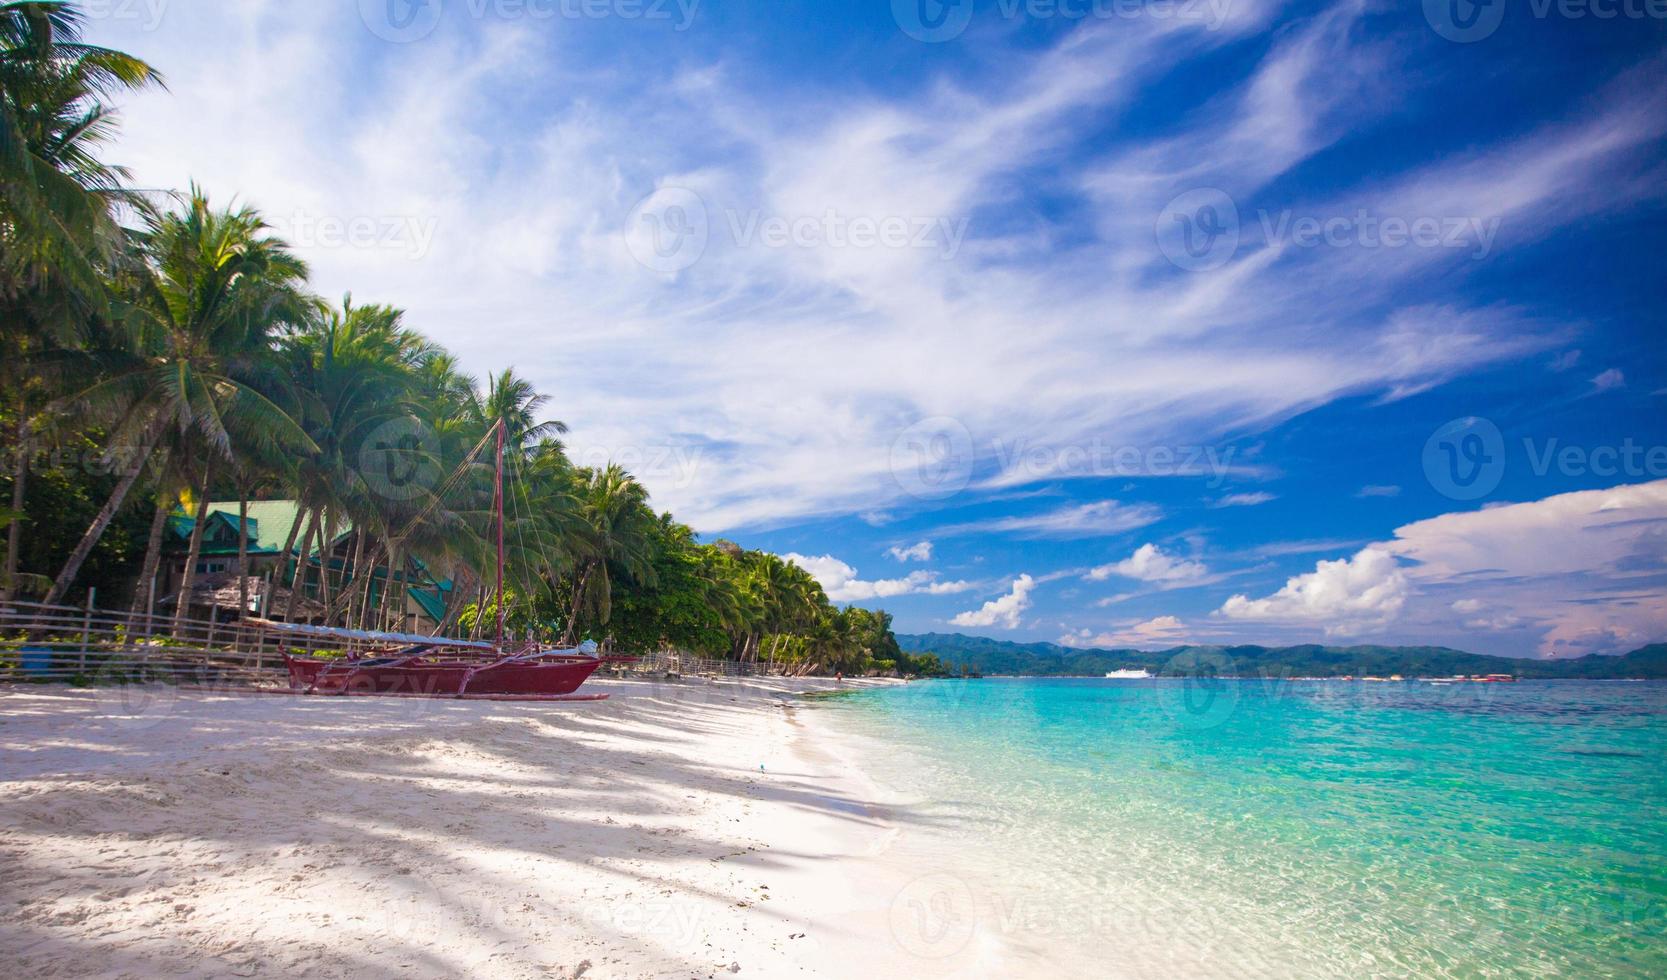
86 630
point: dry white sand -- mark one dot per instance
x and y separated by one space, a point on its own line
681 830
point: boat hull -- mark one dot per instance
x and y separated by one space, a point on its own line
435 678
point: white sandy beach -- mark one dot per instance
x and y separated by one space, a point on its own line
680 830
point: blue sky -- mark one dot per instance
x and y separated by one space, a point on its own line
1106 323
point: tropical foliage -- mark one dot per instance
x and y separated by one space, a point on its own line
181 336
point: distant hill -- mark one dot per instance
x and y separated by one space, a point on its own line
991 656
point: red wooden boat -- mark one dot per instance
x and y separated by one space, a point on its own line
436 672
432 666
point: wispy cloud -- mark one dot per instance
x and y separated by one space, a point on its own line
1098 519
768 352
1244 499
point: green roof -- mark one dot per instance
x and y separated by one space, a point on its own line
269 525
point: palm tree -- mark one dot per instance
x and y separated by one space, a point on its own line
57 229
620 545
198 352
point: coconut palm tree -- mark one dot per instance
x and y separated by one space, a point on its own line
198 353
57 229
620 545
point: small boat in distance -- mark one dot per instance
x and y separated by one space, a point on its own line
1127 674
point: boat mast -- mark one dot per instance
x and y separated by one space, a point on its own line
498 509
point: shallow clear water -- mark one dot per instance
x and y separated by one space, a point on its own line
1252 828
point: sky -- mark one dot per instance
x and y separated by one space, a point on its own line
1092 321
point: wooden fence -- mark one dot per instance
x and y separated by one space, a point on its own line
91 645
88 645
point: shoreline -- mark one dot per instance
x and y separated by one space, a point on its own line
679 829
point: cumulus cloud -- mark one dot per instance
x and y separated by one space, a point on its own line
1004 612
1347 597
1583 572
1159 631
1150 563
920 551
841 583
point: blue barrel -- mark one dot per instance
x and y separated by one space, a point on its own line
37 661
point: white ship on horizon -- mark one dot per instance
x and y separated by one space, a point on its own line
1127 675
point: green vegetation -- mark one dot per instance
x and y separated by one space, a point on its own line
161 352
1052 660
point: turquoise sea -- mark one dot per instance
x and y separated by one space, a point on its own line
1260 828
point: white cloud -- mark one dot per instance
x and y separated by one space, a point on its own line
1584 572
1159 631
1150 563
1609 380
919 551
1004 612
841 583
1245 499
1376 490
1098 519
1347 596
757 363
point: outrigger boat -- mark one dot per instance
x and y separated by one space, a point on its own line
411 665
433 666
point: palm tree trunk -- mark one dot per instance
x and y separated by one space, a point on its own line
326 538
153 544
153 552
182 607
393 593
106 514
571 634
295 580
352 570
20 478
